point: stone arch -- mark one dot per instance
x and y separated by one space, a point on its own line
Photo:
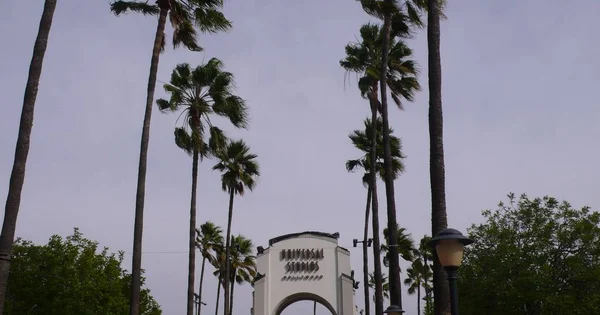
303 266
302 296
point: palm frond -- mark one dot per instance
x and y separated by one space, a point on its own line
183 140
120 7
211 20
238 166
185 34
233 108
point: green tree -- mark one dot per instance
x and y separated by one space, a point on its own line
17 175
416 279
361 139
243 264
533 256
425 254
384 283
209 240
219 265
404 242
200 94
183 15
400 76
398 18
239 171
70 276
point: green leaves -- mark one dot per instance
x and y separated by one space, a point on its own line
121 7
201 93
533 256
364 58
361 139
238 166
69 276
184 15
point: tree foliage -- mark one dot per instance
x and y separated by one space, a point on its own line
533 256
70 276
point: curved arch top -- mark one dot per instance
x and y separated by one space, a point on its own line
307 265
302 296
333 236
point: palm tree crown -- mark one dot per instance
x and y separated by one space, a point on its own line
242 259
406 247
238 166
209 240
183 15
361 139
203 92
364 58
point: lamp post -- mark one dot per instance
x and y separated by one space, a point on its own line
393 310
449 245
365 244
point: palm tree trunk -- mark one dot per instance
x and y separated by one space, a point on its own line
218 295
200 285
192 242
231 293
136 270
366 254
419 300
375 209
17 176
228 251
394 261
437 175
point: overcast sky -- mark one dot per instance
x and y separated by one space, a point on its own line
520 93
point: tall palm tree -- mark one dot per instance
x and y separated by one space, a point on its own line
243 264
425 253
361 139
415 280
208 240
17 175
385 285
364 58
219 265
239 171
401 15
439 220
200 94
183 15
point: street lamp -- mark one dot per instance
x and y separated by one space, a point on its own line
449 245
393 310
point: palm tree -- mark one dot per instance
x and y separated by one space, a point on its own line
243 264
208 240
201 93
426 255
361 139
17 176
219 265
239 171
439 220
404 244
414 280
182 14
403 16
400 76
385 285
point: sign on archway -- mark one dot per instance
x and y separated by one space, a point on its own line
303 266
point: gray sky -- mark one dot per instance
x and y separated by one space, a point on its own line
521 114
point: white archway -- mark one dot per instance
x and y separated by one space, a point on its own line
303 266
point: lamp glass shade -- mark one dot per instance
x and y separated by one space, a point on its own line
450 252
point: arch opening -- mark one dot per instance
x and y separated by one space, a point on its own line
285 306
